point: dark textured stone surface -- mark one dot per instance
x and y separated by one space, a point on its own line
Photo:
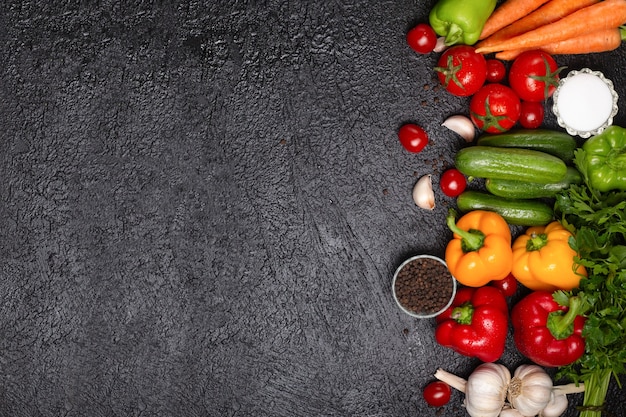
202 205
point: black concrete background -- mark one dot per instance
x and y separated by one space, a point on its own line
202 204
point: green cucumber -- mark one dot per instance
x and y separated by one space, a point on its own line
554 142
510 164
523 189
526 212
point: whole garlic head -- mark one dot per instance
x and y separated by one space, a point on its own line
486 389
530 389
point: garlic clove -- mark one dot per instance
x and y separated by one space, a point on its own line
461 125
440 46
423 194
556 407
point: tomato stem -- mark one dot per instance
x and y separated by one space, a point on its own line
551 79
489 119
450 72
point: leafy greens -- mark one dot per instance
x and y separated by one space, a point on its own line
598 223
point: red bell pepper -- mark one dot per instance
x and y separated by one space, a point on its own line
548 332
476 324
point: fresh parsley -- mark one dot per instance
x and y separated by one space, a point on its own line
598 223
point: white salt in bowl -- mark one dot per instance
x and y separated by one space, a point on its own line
585 103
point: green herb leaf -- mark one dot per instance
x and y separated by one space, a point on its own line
598 223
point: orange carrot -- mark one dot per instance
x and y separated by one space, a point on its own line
548 13
603 15
507 13
600 41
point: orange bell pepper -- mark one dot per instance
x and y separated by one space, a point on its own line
544 261
480 250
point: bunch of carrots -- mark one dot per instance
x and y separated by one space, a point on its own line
555 26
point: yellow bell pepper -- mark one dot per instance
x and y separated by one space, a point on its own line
480 250
543 259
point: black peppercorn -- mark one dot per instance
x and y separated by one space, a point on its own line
423 286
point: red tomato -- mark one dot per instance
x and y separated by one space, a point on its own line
412 137
495 108
534 75
496 71
531 116
437 393
508 285
422 38
461 70
452 182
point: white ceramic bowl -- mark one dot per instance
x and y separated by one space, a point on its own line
584 103
443 282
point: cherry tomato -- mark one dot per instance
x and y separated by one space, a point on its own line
437 393
531 115
508 285
534 75
496 71
461 70
422 38
452 182
413 137
495 108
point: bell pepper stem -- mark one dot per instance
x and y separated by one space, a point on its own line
472 240
536 242
562 325
455 32
463 313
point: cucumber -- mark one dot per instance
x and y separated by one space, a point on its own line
523 189
510 164
517 212
555 143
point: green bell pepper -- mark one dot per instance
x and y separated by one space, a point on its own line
460 21
604 160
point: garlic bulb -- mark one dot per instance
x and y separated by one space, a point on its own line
530 389
423 194
557 406
486 390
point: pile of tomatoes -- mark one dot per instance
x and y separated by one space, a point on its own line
498 100
494 106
